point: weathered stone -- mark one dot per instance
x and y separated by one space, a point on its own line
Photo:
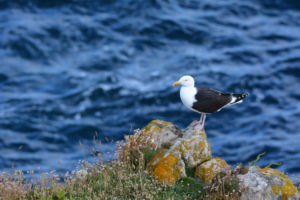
192 130
208 170
266 183
194 147
161 132
167 167
190 150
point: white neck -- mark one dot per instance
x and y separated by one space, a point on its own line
187 95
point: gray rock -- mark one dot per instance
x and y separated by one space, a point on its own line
266 184
160 132
193 147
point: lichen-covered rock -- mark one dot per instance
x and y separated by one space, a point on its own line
167 167
153 136
208 170
194 147
193 151
189 150
160 132
266 183
192 130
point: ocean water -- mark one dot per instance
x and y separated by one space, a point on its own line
74 69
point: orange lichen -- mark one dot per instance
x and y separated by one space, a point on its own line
165 169
207 171
287 190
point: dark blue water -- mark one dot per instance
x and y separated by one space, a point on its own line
72 68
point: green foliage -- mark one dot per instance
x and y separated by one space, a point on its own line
190 172
257 158
184 188
269 165
118 180
166 146
188 186
149 154
231 184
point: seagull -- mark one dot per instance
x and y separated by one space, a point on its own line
203 99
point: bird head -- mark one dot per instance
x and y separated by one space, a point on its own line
185 81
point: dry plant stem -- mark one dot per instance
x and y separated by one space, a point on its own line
124 178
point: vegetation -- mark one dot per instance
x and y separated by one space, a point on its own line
123 178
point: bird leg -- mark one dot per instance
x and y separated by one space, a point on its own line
200 126
202 120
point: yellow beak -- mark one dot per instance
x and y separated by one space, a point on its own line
176 83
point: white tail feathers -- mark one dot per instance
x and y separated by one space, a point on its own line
238 98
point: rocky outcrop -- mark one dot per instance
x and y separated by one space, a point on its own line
187 151
193 146
152 137
160 132
208 170
266 183
189 148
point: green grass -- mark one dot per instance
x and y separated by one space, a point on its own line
117 179
143 188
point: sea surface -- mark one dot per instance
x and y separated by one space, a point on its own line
77 72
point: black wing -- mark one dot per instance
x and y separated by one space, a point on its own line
209 100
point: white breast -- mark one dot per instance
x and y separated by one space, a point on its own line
187 95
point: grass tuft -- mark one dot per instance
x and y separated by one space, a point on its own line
123 178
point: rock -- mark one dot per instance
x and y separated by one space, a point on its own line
152 137
167 167
161 132
192 130
208 170
190 150
193 147
266 183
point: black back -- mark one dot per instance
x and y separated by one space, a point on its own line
209 100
